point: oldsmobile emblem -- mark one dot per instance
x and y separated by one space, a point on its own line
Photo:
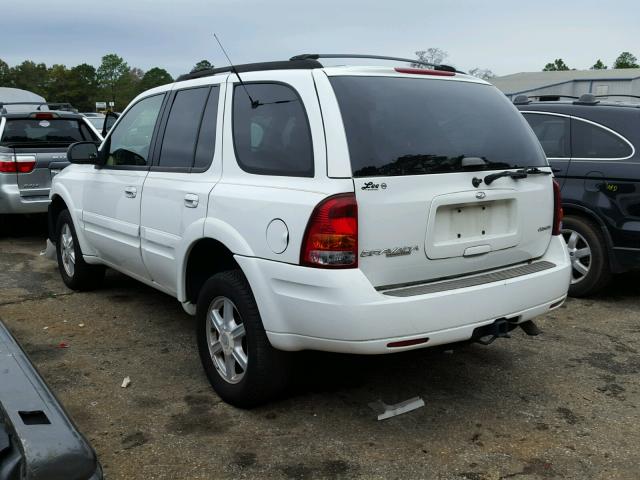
390 252
480 195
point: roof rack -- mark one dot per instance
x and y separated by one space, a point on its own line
252 67
306 61
65 106
316 56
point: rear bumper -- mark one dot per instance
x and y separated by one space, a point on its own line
37 439
12 202
340 311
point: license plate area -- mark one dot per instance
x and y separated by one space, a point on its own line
458 224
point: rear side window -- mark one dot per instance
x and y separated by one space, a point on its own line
181 132
272 136
410 126
553 132
593 141
46 131
207 137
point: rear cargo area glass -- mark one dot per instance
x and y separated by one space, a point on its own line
411 126
40 131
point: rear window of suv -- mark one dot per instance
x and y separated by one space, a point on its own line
39 131
410 126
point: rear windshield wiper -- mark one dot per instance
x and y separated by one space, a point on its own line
516 175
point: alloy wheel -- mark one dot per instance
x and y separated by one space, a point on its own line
67 250
226 338
579 253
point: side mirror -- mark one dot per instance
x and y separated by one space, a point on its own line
83 153
109 119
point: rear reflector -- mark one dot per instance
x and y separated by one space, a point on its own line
407 343
331 237
425 71
557 209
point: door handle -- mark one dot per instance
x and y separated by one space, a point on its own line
191 200
130 192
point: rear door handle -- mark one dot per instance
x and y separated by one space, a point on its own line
191 200
130 192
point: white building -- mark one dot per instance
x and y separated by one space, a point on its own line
572 82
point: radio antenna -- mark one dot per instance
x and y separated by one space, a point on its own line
254 103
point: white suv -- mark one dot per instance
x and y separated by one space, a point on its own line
348 209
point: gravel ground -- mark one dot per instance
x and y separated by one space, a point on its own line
563 405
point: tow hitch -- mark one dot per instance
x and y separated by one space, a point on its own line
486 334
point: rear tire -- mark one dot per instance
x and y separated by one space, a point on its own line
590 271
230 335
75 272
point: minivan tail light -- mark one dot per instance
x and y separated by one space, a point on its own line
25 163
557 208
425 71
331 237
17 164
7 163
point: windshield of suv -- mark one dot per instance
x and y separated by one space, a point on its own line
411 126
38 131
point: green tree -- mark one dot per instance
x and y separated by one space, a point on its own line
30 76
83 87
626 60
598 66
5 71
110 75
202 65
57 89
154 78
557 65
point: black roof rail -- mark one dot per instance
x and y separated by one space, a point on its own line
316 56
551 97
305 61
253 67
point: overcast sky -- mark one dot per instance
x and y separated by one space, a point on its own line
504 36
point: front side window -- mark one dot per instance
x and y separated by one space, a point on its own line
411 126
592 141
130 141
553 132
272 135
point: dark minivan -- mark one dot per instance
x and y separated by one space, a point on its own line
592 144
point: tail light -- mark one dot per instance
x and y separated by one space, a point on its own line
557 208
17 164
331 237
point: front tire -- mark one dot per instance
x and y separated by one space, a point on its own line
75 272
587 246
240 363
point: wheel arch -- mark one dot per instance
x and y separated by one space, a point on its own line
204 257
587 213
61 200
